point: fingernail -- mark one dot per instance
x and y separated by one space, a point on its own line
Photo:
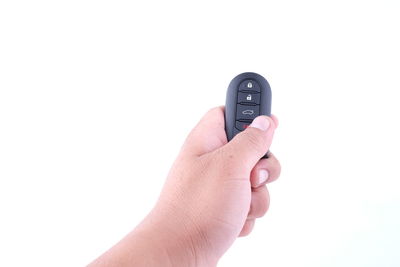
261 122
262 176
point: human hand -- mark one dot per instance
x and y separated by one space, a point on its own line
214 192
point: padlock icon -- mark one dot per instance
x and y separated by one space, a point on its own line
249 85
248 97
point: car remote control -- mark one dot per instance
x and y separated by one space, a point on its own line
248 96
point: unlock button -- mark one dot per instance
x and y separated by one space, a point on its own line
249 98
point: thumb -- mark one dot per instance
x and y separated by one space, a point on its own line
250 145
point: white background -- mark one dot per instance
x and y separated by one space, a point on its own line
96 98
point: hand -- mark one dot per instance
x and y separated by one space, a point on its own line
213 194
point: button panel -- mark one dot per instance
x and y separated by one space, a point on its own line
247 105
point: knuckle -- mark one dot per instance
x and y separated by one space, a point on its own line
275 167
255 141
278 168
259 208
214 110
225 160
263 208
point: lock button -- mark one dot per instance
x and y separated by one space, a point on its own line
249 85
250 98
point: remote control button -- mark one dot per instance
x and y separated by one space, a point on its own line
249 98
242 125
249 85
247 112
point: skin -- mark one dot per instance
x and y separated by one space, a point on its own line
214 192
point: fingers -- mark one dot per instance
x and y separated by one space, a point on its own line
247 227
259 202
275 119
265 171
208 135
249 146
258 207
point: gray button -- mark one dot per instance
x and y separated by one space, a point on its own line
250 97
249 85
247 112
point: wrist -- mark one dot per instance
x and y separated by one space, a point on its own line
172 242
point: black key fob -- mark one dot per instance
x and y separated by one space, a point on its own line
248 96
